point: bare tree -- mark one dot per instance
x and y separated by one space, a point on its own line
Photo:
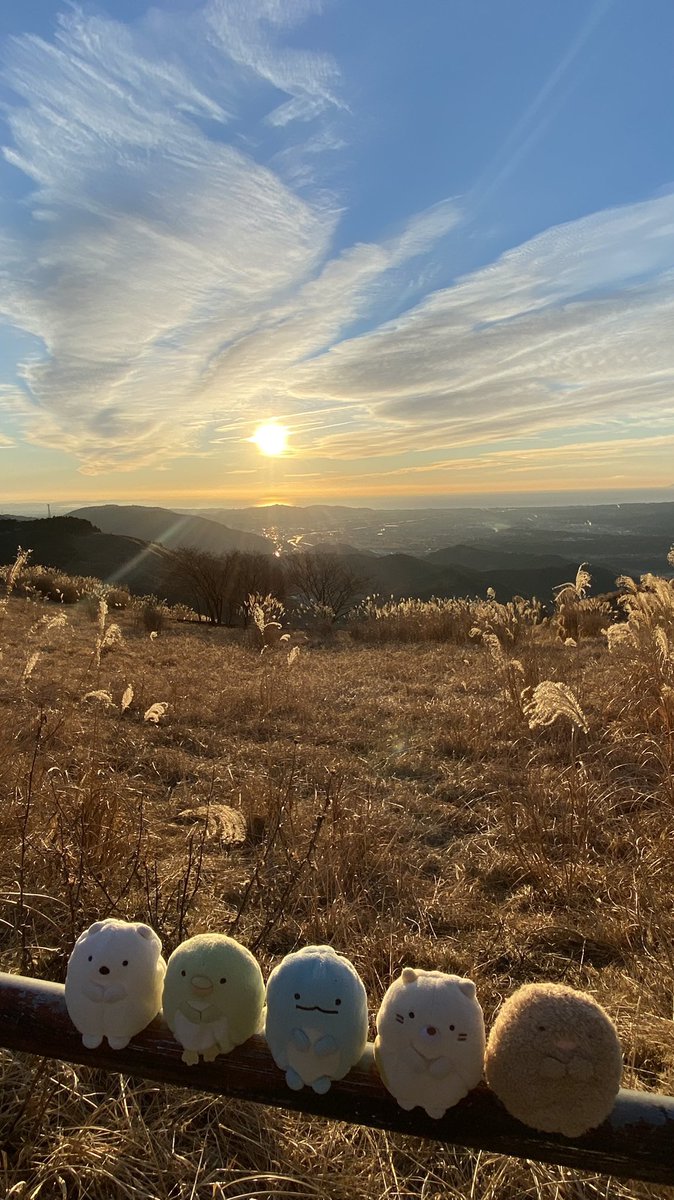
218 584
325 581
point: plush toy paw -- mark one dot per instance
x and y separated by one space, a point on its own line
211 1053
580 1069
118 1043
93 992
439 1068
294 1080
325 1045
321 1085
190 1057
300 1040
91 1040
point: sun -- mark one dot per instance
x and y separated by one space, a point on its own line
270 438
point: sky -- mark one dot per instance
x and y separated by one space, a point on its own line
435 241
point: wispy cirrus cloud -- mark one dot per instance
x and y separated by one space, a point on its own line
147 243
245 31
571 330
158 260
175 263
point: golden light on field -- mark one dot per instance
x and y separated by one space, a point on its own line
270 438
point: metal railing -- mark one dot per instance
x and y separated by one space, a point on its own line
635 1142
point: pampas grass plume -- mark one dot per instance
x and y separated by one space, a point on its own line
551 700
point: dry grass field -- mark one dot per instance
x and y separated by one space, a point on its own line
400 799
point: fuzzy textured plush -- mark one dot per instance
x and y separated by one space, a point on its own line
213 996
316 1024
114 981
553 1059
430 1040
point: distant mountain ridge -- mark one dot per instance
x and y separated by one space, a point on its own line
77 547
403 575
517 552
171 529
634 537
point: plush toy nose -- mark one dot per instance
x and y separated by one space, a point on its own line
103 970
431 1030
566 1043
201 983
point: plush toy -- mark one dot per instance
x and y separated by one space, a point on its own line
554 1059
430 1040
114 981
316 1017
213 996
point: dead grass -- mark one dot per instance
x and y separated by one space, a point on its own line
394 800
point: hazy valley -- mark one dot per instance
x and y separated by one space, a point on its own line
399 553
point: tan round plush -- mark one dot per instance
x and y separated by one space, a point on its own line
553 1059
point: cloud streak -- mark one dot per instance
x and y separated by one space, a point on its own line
175 263
571 329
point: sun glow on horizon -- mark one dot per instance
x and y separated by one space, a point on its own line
271 438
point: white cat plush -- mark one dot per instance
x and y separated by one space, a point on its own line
114 981
430 1040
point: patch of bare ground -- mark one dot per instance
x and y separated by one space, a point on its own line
399 800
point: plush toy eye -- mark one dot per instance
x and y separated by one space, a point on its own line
337 1002
451 1028
411 1015
223 980
183 973
91 958
297 995
125 963
541 1028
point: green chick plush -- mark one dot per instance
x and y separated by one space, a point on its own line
213 996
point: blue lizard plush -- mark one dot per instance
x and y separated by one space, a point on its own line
316 1025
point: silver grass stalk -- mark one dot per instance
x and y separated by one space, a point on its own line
155 712
16 568
617 636
101 696
30 665
551 700
102 614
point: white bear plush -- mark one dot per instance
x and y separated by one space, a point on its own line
114 981
430 1040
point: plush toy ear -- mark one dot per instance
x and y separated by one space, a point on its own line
95 928
409 975
148 934
468 988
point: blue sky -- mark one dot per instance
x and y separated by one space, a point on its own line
436 241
